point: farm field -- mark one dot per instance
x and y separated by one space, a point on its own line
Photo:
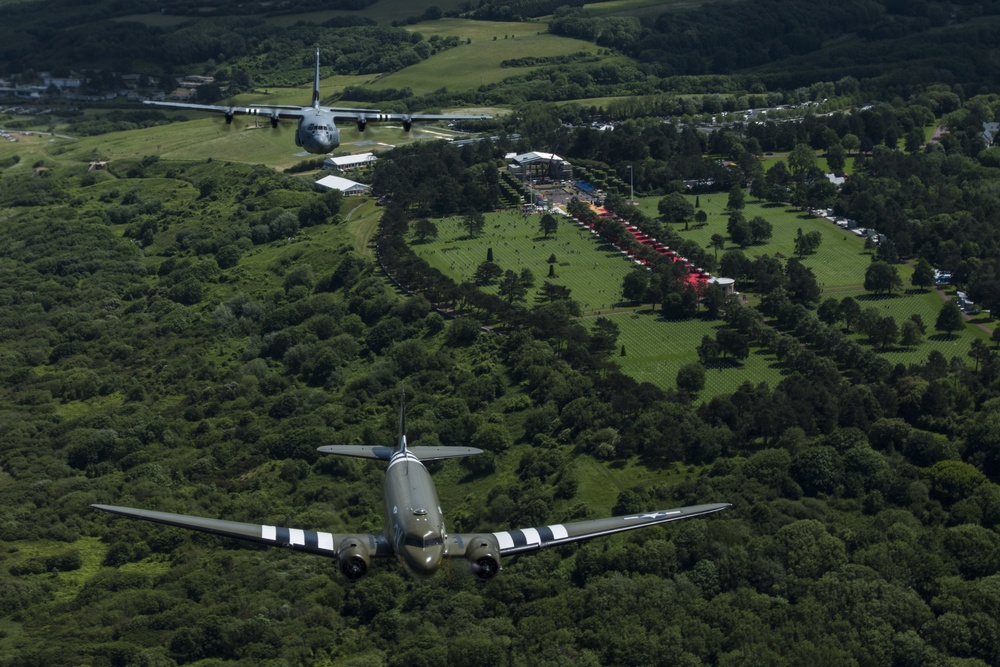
450 68
587 102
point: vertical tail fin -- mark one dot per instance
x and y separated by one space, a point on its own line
402 418
315 101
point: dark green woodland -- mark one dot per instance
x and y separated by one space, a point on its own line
182 335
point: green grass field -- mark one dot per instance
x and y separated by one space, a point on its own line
927 304
591 270
471 65
655 349
841 259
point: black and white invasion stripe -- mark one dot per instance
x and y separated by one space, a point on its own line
295 537
530 537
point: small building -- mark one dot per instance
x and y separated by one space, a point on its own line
537 165
345 185
728 285
345 162
990 130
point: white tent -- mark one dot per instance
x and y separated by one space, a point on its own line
345 185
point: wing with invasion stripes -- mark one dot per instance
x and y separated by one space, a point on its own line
531 539
324 544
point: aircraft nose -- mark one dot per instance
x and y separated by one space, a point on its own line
425 561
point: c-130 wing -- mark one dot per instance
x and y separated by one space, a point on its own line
531 539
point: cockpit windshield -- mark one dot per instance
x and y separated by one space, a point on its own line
415 541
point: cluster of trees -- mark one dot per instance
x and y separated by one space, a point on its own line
432 178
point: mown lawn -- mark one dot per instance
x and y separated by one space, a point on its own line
453 68
926 304
655 349
593 271
840 261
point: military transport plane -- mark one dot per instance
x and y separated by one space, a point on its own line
317 131
414 530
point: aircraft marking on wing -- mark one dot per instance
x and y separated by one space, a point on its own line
529 537
651 515
297 537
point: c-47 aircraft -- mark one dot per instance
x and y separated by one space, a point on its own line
317 131
414 530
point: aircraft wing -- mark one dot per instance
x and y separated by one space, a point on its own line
324 544
532 539
279 110
376 116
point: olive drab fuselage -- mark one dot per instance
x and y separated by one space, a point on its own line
413 521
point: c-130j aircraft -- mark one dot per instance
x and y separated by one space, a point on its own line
413 528
317 131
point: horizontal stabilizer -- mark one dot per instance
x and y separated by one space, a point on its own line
383 453
380 452
436 453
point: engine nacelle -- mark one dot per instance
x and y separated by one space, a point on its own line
483 555
353 558
229 117
407 124
362 123
274 122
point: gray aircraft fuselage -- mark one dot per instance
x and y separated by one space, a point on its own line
317 132
413 521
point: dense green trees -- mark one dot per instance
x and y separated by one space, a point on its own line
675 208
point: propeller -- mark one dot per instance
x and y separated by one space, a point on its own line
362 122
407 124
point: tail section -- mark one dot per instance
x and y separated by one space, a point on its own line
315 101
402 419
384 453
